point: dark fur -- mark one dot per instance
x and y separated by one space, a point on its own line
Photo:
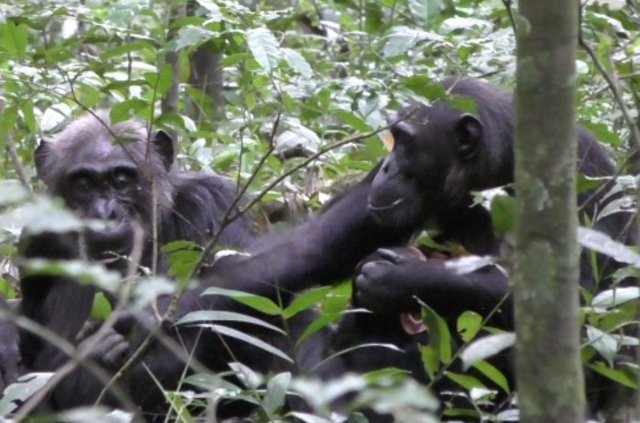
439 157
190 206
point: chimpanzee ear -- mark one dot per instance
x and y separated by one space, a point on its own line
40 157
163 144
468 135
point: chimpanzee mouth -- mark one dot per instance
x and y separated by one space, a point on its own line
385 207
110 243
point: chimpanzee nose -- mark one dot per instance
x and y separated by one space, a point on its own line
104 209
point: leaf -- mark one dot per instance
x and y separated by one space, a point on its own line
493 374
276 392
486 347
305 301
320 323
101 308
80 271
14 38
200 316
353 348
126 109
439 335
262 304
424 86
503 213
351 119
468 325
192 36
623 377
23 389
297 62
466 381
606 345
264 47
425 11
248 377
615 296
308 418
160 81
233 333
604 244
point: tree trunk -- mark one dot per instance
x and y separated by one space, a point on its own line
549 370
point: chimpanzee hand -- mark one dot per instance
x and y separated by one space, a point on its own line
110 351
389 280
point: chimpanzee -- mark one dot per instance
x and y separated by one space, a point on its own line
440 156
108 172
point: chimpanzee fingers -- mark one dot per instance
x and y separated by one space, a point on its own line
88 329
116 354
391 255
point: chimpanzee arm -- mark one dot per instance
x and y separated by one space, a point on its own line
322 250
60 304
393 284
9 352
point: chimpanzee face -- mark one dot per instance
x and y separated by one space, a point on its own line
106 180
425 170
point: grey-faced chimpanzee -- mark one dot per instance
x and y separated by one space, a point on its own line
107 172
440 156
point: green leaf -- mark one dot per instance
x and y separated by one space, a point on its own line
248 377
276 392
264 47
297 62
468 325
125 48
604 244
424 86
125 110
256 302
320 323
200 316
624 377
439 335
351 119
615 296
160 82
606 345
466 381
233 333
305 301
81 271
486 347
493 374
14 38
503 213
425 11
101 308
23 389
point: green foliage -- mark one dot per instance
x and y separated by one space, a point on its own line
324 71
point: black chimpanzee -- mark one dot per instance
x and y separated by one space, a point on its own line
108 172
440 156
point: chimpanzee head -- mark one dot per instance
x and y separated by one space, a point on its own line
106 172
440 154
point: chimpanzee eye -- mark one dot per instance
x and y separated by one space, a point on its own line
81 183
123 180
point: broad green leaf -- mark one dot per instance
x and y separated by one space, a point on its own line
425 11
604 244
264 47
492 373
351 119
14 38
486 347
427 88
160 82
466 381
23 389
439 335
200 316
320 323
276 392
248 377
192 36
125 110
468 325
297 62
101 308
262 304
83 272
123 49
305 301
233 333
623 377
615 296
606 345
503 213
